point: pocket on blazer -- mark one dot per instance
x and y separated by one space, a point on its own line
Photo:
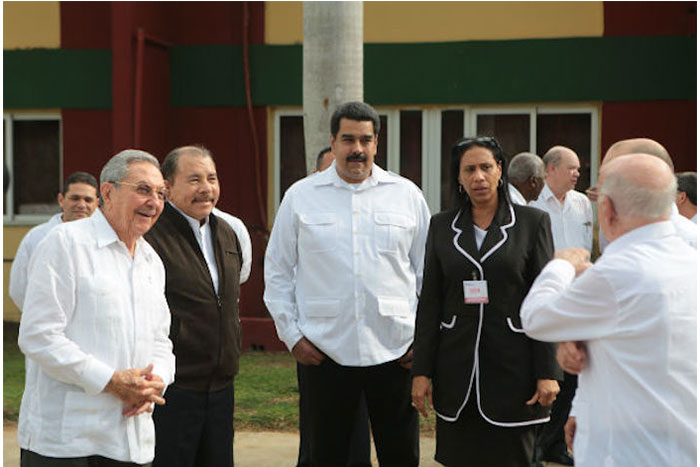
512 326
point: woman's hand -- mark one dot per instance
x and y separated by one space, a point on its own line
547 390
422 389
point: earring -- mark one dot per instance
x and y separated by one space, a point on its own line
460 189
500 182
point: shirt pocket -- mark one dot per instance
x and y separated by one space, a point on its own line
318 232
391 231
396 321
89 419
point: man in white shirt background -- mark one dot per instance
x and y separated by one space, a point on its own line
95 324
77 200
525 178
342 272
636 309
686 199
572 226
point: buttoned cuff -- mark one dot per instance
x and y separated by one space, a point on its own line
96 376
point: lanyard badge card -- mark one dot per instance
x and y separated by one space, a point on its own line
475 292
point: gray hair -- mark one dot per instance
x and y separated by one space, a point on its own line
523 166
632 200
553 156
116 168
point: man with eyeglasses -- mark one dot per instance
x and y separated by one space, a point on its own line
203 260
95 326
77 200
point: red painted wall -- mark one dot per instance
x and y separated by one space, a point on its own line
650 18
671 123
91 137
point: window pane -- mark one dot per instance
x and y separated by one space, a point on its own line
292 158
452 130
511 130
36 160
572 131
411 144
382 147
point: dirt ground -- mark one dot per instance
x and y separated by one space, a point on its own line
250 449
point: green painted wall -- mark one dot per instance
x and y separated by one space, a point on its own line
57 78
539 70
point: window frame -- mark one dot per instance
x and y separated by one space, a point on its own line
431 157
12 218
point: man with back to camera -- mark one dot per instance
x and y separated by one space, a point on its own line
324 159
95 324
525 178
686 200
639 299
77 200
343 269
202 259
684 227
572 226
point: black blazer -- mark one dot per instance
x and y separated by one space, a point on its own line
482 349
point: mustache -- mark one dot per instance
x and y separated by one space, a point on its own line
356 157
204 197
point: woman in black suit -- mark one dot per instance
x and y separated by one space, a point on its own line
491 384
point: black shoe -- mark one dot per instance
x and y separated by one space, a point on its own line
563 458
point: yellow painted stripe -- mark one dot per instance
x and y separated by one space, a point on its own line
31 24
450 21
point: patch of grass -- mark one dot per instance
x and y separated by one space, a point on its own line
267 397
13 372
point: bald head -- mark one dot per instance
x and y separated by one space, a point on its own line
641 187
638 146
562 166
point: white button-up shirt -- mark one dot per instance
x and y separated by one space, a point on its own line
243 238
344 265
572 222
90 309
685 229
636 308
202 233
18 272
516 196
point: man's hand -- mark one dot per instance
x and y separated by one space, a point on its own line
570 432
578 257
406 360
422 389
145 406
306 353
572 356
547 390
136 386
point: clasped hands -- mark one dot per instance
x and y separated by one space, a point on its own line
137 388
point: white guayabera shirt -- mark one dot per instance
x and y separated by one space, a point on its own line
90 309
636 308
344 265
572 222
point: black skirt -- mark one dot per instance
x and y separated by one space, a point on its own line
472 441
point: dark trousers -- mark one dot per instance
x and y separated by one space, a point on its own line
359 454
32 459
334 395
550 441
194 429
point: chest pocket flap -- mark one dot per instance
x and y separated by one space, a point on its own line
318 231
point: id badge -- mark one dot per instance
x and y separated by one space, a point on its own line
475 292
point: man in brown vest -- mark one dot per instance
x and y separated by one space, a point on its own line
202 259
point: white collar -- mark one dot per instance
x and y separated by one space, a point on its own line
194 223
